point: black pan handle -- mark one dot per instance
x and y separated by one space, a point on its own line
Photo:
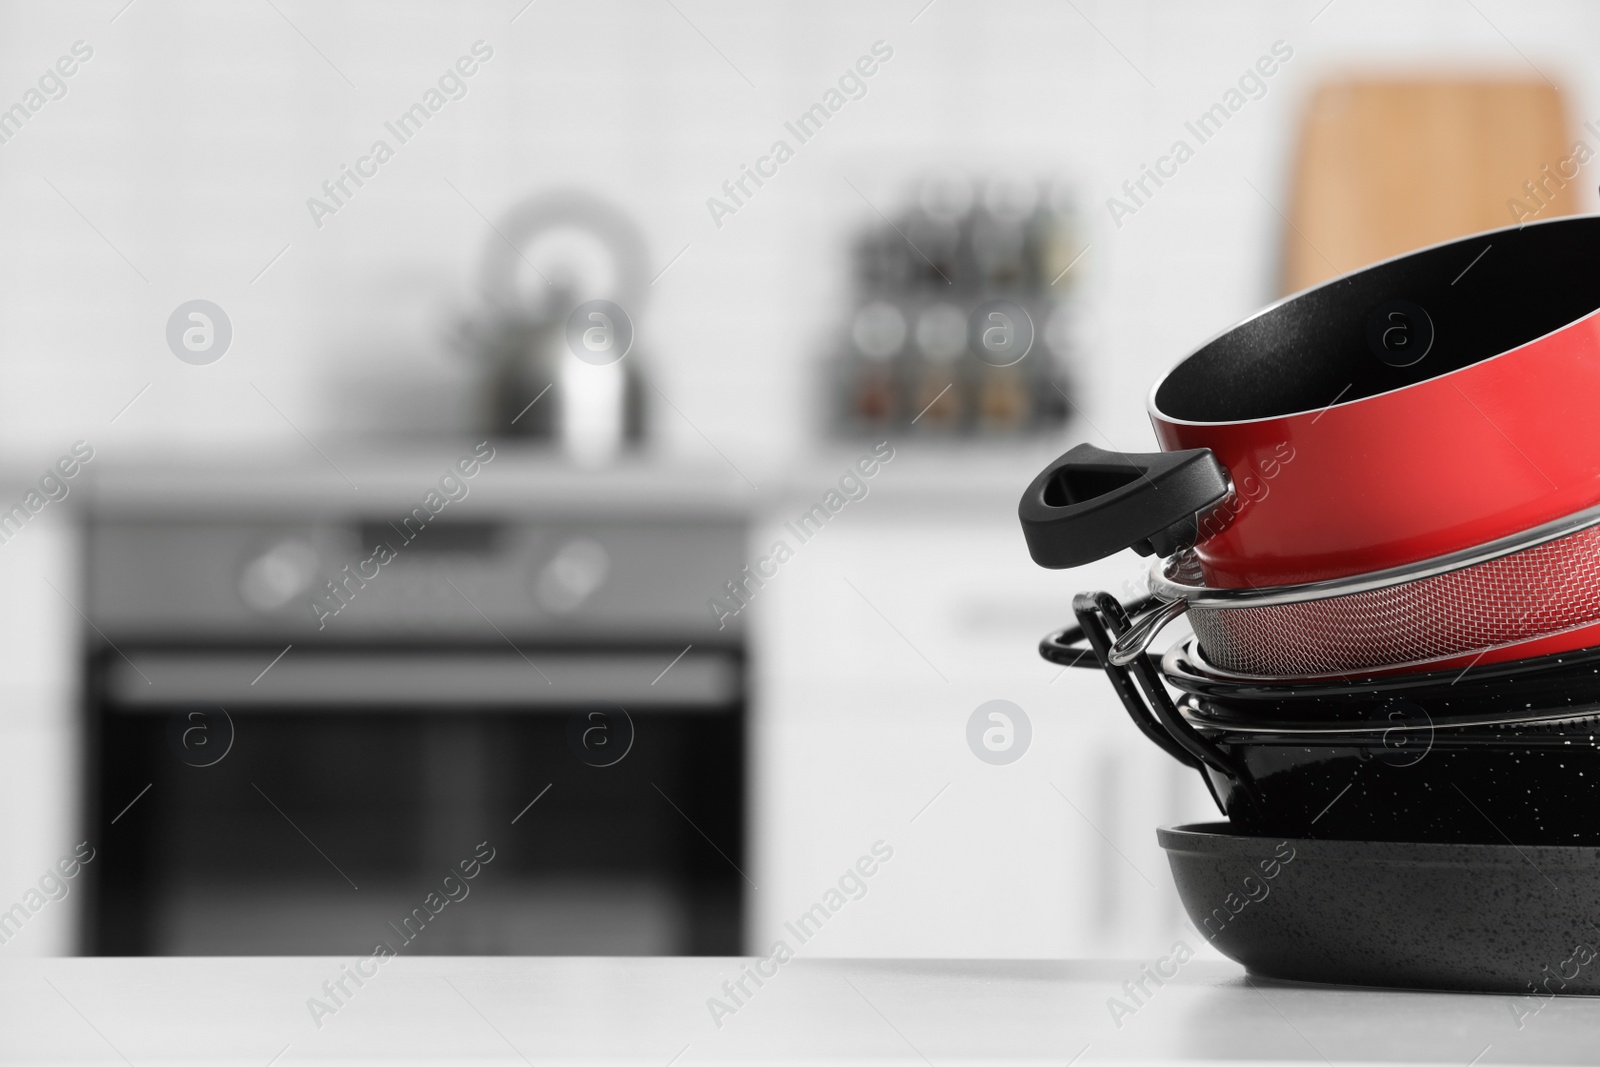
1091 503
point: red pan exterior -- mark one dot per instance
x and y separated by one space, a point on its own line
1447 464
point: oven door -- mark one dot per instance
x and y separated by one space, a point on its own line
337 800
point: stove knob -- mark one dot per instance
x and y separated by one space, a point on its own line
278 576
571 577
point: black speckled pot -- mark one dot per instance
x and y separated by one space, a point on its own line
1505 753
1480 918
1528 783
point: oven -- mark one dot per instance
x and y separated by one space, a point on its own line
293 748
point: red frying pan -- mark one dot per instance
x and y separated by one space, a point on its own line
1418 407
1397 468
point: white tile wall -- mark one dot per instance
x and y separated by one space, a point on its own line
192 139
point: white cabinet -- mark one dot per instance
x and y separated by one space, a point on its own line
871 649
39 739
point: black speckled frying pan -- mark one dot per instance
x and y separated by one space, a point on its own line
1479 918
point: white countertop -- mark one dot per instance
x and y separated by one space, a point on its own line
535 480
654 1011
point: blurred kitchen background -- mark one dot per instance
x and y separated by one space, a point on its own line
775 340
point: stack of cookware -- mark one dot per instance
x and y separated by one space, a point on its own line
1378 505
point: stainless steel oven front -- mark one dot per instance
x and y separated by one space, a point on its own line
516 735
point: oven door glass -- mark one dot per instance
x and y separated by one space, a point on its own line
340 801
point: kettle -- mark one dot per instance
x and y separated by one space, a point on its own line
554 336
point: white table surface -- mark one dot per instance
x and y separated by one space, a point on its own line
653 1011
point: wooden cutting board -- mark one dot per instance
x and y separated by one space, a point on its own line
1386 166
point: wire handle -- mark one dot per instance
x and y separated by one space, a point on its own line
1102 620
1136 638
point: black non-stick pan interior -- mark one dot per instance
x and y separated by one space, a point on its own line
1301 354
